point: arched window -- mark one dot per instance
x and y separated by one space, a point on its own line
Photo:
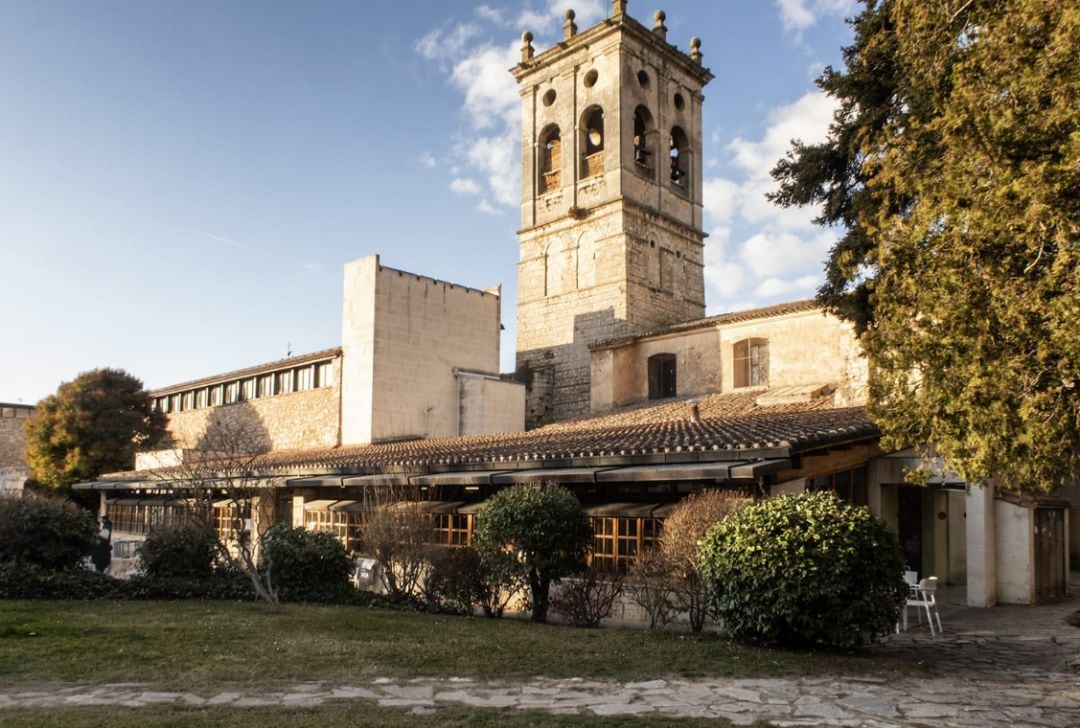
679 149
644 141
662 381
592 148
550 160
751 363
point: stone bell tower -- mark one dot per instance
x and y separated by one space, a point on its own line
611 212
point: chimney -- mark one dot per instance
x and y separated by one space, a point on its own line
695 412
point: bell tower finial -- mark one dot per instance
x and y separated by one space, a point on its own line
618 8
527 49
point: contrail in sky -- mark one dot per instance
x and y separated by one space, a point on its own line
232 242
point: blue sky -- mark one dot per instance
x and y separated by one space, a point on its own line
181 182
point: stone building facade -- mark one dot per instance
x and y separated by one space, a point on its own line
612 344
419 359
13 468
611 239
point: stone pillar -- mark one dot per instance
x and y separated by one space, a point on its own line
980 542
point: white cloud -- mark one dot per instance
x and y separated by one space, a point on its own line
769 255
807 119
427 159
798 15
759 252
554 12
490 14
465 186
487 208
444 45
490 91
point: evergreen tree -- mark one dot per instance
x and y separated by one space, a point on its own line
952 166
92 425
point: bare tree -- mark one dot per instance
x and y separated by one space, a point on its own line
650 584
398 532
220 477
680 542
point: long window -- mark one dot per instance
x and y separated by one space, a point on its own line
751 363
550 160
617 542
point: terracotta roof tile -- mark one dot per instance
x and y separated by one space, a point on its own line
731 426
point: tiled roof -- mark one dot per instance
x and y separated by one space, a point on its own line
249 371
731 426
732 317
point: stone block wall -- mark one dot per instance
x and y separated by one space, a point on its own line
404 338
804 348
13 468
490 405
307 419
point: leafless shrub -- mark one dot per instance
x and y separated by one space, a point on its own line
587 597
650 585
679 545
397 532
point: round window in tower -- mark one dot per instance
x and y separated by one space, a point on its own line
591 78
680 102
549 97
643 79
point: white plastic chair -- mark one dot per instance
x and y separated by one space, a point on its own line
922 597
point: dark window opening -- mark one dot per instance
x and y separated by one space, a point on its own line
679 149
593 147
644 139
662 376
550 160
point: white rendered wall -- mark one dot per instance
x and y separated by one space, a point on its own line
1015 551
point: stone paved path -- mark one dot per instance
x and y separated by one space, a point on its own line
1005 666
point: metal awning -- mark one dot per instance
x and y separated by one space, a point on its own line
319 505
315 481
425 506
551 475
471 509
628 510
127 501
229 503
683 471
758 468
465 477
379 479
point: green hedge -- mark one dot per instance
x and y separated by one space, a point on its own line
804 569
44 531
306 566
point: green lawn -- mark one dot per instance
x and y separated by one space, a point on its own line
196 645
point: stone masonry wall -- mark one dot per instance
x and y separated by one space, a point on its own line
425 330
306 419
803 348
12 442
616 247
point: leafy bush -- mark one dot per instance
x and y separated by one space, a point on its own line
186 551
453 581
305 566
29 581
587 598
44 531
545 530
804 569
224 584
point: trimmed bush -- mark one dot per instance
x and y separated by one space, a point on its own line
804 569
454 580
27 581
306 566
186 551
44 531
544 528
